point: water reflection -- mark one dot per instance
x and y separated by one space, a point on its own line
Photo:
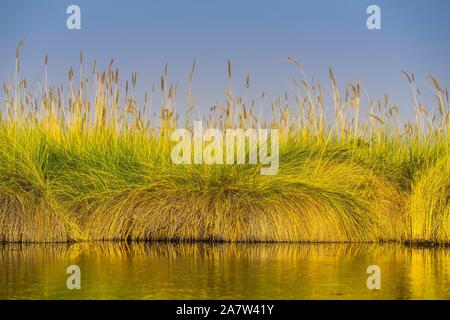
222 271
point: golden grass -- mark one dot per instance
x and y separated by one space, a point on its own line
87 162
430 205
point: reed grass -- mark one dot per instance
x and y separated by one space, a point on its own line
86 162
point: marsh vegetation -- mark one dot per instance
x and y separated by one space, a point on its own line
84 161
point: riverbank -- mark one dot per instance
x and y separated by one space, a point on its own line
89 163
61 186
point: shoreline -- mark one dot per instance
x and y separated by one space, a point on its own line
405 243
86 164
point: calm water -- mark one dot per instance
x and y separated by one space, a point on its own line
223 271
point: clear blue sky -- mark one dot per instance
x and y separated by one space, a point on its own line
256 35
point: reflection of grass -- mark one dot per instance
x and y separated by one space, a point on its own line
86 163
220 271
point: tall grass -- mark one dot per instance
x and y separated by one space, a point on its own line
86 162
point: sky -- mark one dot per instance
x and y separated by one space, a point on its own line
256 35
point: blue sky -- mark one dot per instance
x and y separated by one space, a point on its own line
256 35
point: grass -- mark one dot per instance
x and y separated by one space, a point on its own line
87 163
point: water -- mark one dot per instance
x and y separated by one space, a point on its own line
223 271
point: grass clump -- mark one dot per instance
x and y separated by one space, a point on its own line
430 204
89 163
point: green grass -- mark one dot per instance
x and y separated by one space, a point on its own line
75 168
